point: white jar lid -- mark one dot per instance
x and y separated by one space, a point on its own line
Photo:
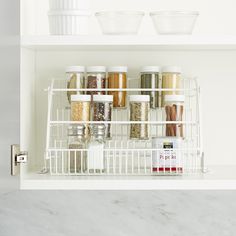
71 69
80 98
101 69
174 98
69 13
150 69
139 98
171 69
123 69
103 98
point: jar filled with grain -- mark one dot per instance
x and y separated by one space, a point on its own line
102 111
174 107
150 80
96 79
75 76
139 112
80 110
77 142
171 79
117 79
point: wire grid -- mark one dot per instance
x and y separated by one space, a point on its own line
121 155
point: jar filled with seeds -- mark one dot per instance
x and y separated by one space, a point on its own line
96 79
80 110
75 80
117 79
139 111
171 79
150 80
174 107
102 111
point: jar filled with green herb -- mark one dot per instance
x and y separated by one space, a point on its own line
150 80
139 116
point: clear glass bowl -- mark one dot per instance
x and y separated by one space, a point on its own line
120 22
174 22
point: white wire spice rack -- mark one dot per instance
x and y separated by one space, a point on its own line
123 156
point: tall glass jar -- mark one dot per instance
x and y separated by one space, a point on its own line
96 79
117 79
171 79
174 107
139 111
102 111
96 149
77 143
150 80
75 76
80 110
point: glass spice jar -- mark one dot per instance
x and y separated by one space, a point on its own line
150 80
139 111
174 107
96 79
117 79
80 109
102 111
171 79
96 149
75 76
78 156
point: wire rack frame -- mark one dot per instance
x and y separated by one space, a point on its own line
121 155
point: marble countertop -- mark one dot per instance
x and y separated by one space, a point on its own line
116 213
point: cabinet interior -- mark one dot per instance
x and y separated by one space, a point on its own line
38 67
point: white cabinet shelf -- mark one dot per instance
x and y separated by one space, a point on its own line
218 177
158 42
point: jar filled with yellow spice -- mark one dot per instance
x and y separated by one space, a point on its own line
171 79
117 79
80 110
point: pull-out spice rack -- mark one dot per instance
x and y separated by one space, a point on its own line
122 155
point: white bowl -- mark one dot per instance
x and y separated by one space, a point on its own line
174 22
69 5
120 22
68 22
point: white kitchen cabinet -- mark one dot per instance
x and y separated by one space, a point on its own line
212 59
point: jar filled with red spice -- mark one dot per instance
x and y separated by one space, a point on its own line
96 79
117 79
174 107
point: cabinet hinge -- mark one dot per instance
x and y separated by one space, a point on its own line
17 157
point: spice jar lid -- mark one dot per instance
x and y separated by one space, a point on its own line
101 69
80 98
150 69
103 98
171 69
139 98
76 130
123 69
174 98
71 69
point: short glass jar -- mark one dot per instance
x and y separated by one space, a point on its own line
96 79
77 142
75 76
139 111
80 109
96 161
171 79
150 80
117 79
174 107
102 111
